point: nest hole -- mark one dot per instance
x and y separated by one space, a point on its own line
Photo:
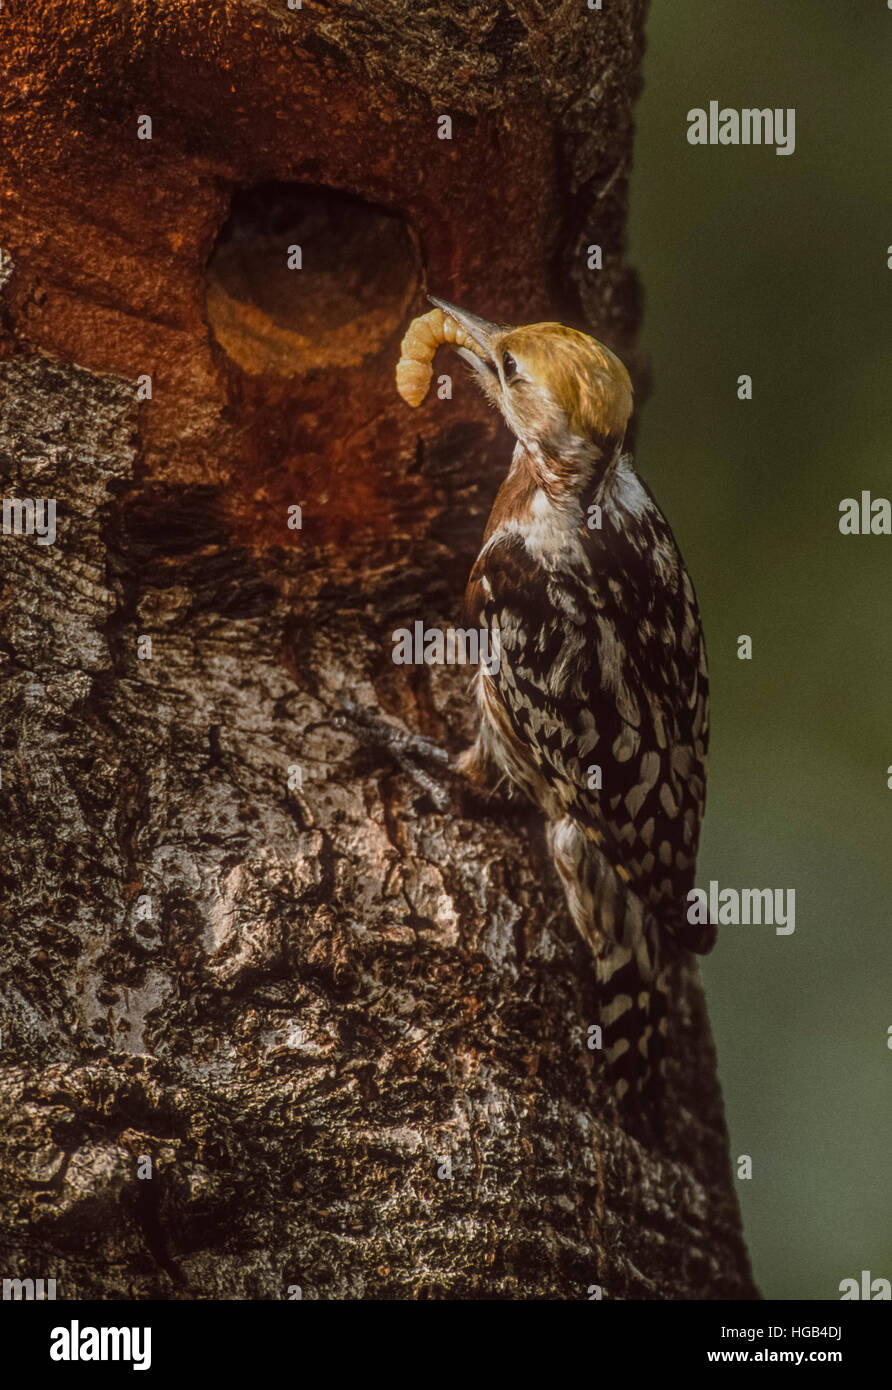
358 273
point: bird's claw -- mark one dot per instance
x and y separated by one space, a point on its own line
406 748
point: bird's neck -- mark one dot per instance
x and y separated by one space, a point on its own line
604 481
571 478
540 484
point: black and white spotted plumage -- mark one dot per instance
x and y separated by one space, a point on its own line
601 665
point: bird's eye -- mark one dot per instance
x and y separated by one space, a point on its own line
509 366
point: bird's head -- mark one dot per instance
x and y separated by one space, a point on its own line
564 395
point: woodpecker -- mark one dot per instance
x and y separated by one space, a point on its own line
597 709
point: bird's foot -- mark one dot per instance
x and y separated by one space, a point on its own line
413 753
464 785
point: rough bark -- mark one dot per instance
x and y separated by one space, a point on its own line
339 988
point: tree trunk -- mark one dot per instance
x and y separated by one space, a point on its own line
270 1019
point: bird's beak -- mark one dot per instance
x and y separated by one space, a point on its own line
483 333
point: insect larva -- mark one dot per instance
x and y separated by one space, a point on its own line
423 336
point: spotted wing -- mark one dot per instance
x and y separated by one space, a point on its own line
603 679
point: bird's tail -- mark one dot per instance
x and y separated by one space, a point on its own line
633 1002
633 951
633 998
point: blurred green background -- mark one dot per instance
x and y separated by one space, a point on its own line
777 267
